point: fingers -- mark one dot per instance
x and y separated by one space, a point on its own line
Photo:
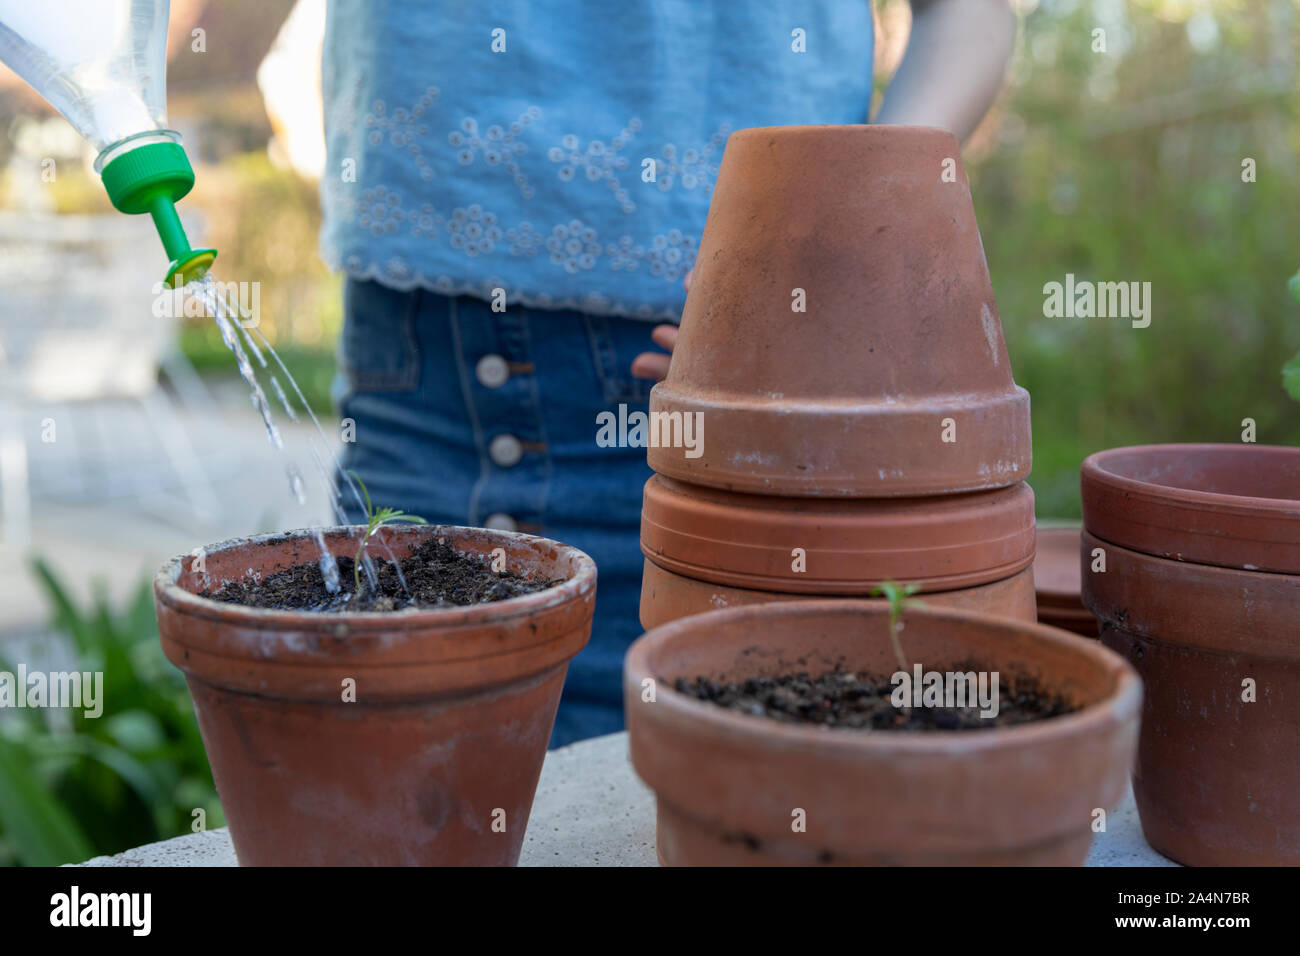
664 336
651 365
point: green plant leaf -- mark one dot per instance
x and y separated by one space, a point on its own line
67 617
136 731
370 508
36 826
1291 377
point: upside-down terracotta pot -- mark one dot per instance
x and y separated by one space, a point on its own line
1057 582
437 759
728 784
708 548
840 338
1201 591
666 596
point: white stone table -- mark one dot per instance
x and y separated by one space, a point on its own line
593 810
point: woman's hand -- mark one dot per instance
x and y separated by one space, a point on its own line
654 365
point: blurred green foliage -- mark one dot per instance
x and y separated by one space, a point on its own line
265 222
71 786
1128 165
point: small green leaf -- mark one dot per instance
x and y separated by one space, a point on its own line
370 508
1291 375
1293 286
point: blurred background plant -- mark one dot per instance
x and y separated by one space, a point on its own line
72 786
1168 158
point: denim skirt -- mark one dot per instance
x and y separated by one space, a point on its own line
468 416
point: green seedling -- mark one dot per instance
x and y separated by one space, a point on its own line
899 598
374 521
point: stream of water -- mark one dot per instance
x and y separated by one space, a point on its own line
244 339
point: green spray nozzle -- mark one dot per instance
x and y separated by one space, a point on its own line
152 178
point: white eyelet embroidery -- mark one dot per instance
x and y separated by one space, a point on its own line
497 146
381 211
599 161
573 245
403 129
473 230
671 255
524 240
696 167
426 223
475 233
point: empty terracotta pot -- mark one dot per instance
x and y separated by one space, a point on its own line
728 785
666 596
436 761
1217 780
813 546
1234 506
841 338
1057 582
707 548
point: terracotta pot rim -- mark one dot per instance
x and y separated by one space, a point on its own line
1123 701
1208 594
744 540
858 424
1094 468
169 593
1259 529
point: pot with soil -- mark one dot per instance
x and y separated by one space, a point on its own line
771 735
1201 592
706 548
407 734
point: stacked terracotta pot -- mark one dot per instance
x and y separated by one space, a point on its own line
842 361
1191 563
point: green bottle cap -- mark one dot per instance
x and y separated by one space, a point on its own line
152 178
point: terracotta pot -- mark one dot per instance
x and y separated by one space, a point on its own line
728 784
452 714
848 546
1217 776
901 332
1057 582
1235 506
666 596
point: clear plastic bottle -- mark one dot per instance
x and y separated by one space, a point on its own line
103 65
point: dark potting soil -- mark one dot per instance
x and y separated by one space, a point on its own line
841 698
436 574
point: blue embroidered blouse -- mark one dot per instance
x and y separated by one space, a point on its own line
564 151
